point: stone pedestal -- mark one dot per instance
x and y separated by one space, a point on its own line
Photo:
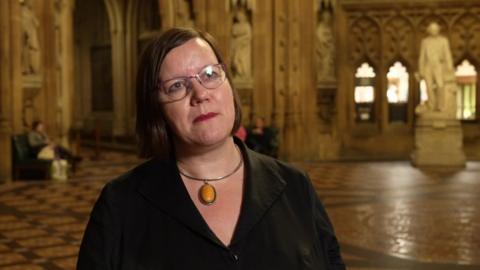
32 85
438 142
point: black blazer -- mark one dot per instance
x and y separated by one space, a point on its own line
145 219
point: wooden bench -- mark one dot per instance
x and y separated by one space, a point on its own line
25 163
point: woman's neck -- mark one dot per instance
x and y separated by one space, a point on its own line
208 162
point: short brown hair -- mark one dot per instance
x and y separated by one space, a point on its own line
153 134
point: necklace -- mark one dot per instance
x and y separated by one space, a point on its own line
207 193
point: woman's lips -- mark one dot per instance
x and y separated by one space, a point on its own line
204 117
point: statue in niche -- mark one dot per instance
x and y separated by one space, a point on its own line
435 66
182 16
325 48
31 58
241 50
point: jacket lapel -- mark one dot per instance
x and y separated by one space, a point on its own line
163 187
263 185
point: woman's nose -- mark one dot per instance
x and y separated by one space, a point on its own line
199 92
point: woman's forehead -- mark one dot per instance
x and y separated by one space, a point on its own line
190 56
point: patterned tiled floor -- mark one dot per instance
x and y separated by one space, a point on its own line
387 215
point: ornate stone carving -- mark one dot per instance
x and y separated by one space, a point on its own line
241 47
325 48
31 56
365 40
382 34
466 37
399 38
183 13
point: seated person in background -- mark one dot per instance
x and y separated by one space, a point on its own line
39 141
262 139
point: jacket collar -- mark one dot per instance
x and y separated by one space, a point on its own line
163 187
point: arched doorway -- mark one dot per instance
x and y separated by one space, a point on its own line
93 66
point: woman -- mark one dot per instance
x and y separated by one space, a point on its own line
203 200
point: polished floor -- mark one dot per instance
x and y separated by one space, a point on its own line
387 215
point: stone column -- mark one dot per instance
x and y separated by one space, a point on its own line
262 61
300 126
280 65
16 81
5 97
67 65
117 31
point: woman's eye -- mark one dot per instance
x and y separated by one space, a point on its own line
210 74
176 86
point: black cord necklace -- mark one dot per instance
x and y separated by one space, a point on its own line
207 193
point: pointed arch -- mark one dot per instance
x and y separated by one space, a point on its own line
467 79
364 96
365 40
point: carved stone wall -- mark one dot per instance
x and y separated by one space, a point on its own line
382 32
393 31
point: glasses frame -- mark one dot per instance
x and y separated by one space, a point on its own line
161 84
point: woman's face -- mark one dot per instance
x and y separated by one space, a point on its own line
40 127
204 117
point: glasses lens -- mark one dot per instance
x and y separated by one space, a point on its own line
212 76
176 88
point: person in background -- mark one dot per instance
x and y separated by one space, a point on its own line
203 200
241 133
39 140
261 138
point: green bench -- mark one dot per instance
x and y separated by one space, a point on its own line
25 163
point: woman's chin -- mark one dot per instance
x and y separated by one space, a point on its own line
211 138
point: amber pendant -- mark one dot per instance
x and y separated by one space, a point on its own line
207 193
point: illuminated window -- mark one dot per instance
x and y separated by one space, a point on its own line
467 90
397 77
397 92
364 94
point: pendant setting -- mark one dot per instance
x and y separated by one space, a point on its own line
207 193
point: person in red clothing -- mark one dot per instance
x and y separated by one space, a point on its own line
241 133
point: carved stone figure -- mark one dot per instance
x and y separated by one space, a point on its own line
325 49
241 46
436 68
182 16
31 57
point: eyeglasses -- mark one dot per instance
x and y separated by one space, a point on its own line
210 77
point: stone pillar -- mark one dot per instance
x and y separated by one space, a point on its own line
16 82
262 61
280 62
293 146
66 66
301 127
5 97
438 142
117 31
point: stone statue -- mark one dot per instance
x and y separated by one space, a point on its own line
241 46
436 68
31 57
182 14
325 49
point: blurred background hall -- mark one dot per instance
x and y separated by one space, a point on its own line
337 80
